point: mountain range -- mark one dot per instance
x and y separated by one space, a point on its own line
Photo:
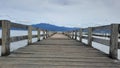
51 27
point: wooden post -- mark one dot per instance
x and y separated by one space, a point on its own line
43 34
68 34
72 34
29 34
114 41
80 35
5 38
46 34
90 36
75 34
38 32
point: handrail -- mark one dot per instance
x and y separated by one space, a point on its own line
114 31
6 39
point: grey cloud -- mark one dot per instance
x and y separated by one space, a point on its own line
62 2
62 12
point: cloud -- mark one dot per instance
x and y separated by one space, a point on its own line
80 13
63 2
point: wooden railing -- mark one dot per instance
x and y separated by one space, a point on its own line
6 39
99 35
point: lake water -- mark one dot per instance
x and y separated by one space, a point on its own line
19 44
101 47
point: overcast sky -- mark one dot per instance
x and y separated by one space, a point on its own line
72 13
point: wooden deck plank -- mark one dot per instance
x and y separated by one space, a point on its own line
58 51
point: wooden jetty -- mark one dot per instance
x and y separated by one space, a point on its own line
57 50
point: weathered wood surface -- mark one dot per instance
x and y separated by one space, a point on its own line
101 41
102 27
58 51
5 49
114 41
19 38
